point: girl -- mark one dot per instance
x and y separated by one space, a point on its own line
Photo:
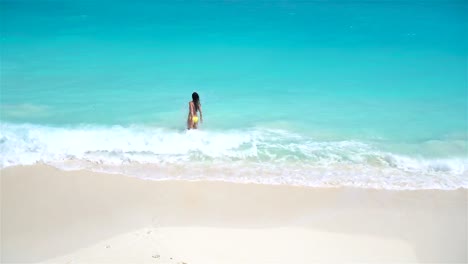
194 107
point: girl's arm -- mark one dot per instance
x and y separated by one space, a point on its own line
189 117
201 114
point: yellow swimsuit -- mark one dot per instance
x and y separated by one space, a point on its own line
195 119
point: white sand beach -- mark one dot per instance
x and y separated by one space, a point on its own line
53 216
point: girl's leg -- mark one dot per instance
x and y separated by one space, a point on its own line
189 123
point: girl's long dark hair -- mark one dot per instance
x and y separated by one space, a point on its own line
196 101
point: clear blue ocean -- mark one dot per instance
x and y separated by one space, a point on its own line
315 93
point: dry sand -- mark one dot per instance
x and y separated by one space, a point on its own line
54 216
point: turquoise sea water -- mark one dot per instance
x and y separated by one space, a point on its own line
318 93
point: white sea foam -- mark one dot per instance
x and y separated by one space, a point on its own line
254 155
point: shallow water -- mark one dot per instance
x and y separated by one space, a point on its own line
297 92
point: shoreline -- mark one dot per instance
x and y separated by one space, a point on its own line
240 155
80 213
